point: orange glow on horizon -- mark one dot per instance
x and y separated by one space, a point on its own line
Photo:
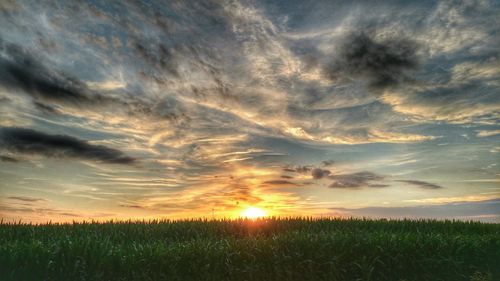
253 213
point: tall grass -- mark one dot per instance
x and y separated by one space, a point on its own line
265 249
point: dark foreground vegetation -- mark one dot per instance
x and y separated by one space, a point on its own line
268 249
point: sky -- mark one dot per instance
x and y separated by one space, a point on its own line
182 109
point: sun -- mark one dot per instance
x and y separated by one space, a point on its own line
253 213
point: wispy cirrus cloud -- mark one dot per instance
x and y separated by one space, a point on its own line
487 133
216 97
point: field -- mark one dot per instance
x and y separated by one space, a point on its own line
265 249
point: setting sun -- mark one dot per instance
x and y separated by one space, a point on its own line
253 213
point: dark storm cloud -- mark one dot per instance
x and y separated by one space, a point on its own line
382 63
318 173
422 184
19 70
59 146
4 158
355 180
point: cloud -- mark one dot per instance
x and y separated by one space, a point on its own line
26 199
43 212
133 206
382 63
422 184
366 179
4 158
352 180
20 70
29 141
45 109
328 163
107 85
355 180
487 133
40 210
161 57
445 200
298 169
378 185
207 92
279 182
358 135
318 173
487 211
463 102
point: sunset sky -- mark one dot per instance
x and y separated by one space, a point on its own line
177 109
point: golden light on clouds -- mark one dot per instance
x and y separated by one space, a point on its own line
267 114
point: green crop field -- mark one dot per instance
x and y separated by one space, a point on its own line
266 249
